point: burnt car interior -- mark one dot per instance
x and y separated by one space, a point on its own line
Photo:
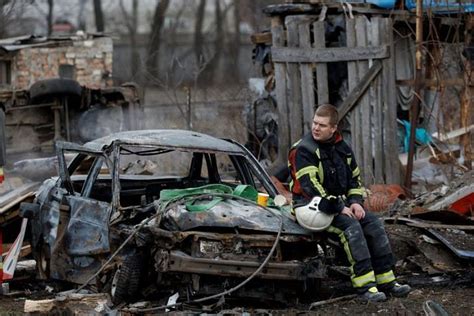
141 187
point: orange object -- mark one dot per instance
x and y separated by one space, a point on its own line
382 196
262 199
464 205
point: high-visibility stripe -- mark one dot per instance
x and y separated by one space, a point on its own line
296 144
345 245
355 191
291 185
321 172
305 171
363 280
386 277
356 172
317 185
312 171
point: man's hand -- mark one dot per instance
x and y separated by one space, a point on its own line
348 212
358 211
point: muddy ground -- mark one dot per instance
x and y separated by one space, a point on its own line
454 299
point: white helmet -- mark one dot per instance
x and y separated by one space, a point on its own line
310 217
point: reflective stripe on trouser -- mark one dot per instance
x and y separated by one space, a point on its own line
367 248
384 278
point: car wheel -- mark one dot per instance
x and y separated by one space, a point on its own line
126 279
54 87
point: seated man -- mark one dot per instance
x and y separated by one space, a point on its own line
322 164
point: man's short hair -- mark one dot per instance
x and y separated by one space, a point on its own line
327 110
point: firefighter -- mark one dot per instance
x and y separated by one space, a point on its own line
323 165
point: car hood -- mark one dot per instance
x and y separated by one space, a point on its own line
230 214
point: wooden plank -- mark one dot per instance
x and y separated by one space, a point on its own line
390 136
379 162
307 78
326 55
261 38
365 114
294 83
352 78
321 68
280 88
359 89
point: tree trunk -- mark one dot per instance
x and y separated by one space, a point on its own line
135 57
50 16
99 16
198 37
155 37
235 44
81 21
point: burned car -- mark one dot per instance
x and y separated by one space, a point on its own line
156 212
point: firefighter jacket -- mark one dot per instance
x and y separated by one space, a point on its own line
328 170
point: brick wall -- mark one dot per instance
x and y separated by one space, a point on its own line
91 59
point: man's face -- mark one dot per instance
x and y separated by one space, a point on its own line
321 129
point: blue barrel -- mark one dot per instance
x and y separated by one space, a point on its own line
443 6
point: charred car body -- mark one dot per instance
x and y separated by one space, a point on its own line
148 197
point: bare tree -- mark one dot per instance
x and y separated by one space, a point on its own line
81 21
155 36
99 16
5 8
235 42
50 16
131 22
198 33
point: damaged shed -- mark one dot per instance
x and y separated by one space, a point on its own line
381 68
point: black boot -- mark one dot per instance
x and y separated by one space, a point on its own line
395 289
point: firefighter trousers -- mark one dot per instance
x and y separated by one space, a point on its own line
367 248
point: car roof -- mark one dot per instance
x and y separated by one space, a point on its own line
173 138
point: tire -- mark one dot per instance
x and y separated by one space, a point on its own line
54 87
126 280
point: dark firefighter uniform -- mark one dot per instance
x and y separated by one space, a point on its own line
330 171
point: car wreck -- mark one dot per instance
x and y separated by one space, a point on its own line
154 212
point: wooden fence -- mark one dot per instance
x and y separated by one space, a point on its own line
300 58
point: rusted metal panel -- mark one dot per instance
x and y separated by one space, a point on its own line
88 229
180 262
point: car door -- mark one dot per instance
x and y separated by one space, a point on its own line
83 230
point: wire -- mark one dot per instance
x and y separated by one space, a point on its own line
270 254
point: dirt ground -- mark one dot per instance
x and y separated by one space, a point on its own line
454 300
432 271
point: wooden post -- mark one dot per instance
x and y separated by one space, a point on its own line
364 110
352 78
281 94
306 70
415 109
294 84
377 108
321 68
390 135
466 99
